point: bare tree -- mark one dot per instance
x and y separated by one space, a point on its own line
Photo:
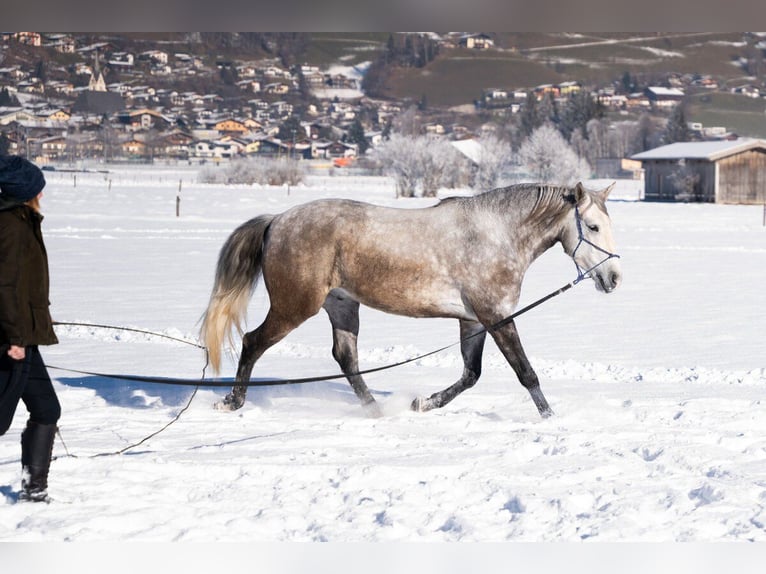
550 159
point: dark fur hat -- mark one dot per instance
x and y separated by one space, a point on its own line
20 179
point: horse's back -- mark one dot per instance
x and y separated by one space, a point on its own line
393 259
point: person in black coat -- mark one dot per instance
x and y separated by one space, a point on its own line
25 322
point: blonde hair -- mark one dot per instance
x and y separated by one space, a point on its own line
34 203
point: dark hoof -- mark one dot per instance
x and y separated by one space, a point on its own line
229 403
421 405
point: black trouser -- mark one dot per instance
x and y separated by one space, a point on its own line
27 380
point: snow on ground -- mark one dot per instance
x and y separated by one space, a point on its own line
658 389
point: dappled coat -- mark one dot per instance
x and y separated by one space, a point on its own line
24 281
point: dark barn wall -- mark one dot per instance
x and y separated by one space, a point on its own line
742 178
673 180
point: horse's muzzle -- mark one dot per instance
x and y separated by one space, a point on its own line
607 281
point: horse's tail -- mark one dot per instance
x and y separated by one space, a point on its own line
236 276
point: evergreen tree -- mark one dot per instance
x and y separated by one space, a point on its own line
356 136
579 109
677 130
6 99
530 119
628 85
291 129
5 144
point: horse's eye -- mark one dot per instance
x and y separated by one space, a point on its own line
593 228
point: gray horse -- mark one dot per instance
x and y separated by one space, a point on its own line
463 258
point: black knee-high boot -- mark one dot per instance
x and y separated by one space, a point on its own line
36 451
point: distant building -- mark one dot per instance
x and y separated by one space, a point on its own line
476 41
715 171
664 97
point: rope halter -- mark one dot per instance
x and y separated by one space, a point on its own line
585 273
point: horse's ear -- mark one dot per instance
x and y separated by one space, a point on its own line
579 193
605 193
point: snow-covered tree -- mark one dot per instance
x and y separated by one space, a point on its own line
550 159
400 157
495 156
439 164
419 161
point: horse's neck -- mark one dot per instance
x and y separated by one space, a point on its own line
535 221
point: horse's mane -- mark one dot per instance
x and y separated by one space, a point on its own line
528 201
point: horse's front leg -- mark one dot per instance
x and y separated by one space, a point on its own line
507 339
472 336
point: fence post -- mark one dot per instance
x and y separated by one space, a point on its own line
178 199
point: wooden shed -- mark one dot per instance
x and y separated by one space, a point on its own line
717 171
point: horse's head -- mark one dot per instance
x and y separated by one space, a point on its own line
587 238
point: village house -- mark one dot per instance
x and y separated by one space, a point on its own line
134 148
29 38
569 88
53 148
249 86
231 127
476 41
54 115
714 171
143 119
121 60
60 87
14 114
175 145
660 97
157 56
61 43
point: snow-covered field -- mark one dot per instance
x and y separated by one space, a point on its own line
658 389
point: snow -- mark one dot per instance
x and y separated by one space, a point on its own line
660 425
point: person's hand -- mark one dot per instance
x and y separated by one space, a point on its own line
17 353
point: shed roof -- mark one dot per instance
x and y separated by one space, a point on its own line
711 151
470 148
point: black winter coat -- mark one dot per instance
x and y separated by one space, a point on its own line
24 280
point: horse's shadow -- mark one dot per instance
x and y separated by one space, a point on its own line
11 495
140 395
128 393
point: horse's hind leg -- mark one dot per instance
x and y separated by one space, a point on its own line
344 316
472 336
254 344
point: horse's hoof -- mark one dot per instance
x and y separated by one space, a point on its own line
546 414
229 403
419 405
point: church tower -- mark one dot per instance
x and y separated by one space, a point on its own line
97 83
